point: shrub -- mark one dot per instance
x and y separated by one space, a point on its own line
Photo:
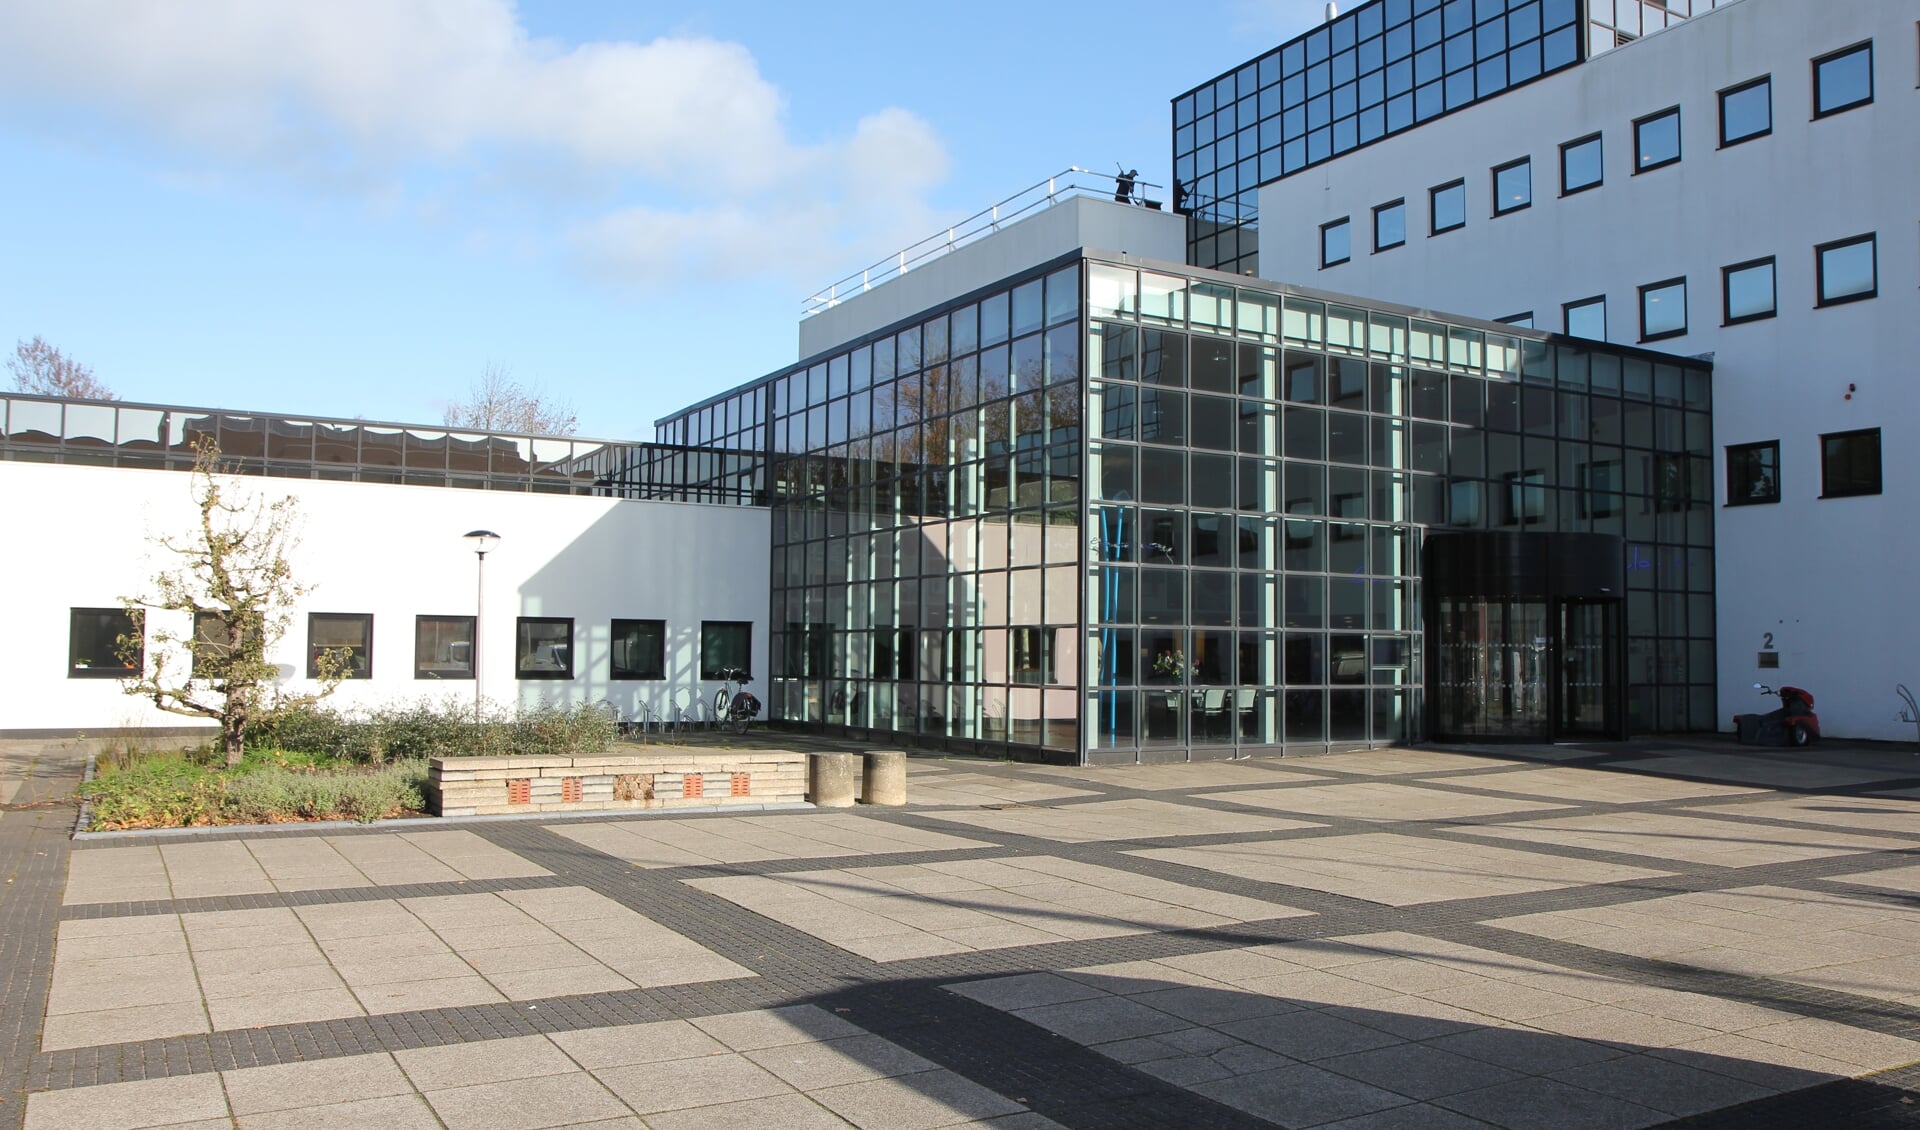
436 729
175 792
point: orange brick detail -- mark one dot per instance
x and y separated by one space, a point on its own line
693 784
520 791
570 790
743 784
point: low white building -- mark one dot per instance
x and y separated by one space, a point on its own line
1740 185
588 597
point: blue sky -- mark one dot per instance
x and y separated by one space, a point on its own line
354 208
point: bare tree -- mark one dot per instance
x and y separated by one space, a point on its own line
38 367
497 402
234 580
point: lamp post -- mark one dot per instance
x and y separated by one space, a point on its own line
483 540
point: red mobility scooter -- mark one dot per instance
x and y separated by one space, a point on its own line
1793 724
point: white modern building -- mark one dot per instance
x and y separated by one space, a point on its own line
602 586
1739 186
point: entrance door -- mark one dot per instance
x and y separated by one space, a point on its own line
1588 685
1491 671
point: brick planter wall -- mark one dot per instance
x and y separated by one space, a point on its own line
485 786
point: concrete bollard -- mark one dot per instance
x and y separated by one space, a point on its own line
885 778
830 779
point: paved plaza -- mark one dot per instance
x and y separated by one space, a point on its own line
1605 936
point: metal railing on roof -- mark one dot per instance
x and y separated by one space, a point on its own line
48 429
1070 182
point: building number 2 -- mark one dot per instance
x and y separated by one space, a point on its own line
1767 646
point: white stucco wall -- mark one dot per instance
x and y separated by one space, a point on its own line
1074 223
1831 579
78 537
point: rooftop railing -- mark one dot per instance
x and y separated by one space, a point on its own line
1071 182
46 429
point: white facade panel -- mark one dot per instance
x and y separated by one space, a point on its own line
80 538
1828 581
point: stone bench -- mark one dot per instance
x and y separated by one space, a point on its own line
487 786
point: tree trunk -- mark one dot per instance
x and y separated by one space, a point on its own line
233 735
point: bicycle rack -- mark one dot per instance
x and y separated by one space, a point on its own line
1911 711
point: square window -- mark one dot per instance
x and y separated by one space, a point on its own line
1587 318
1390 225
337 633
1580 165
1753 473
1746 111
1336 242
1656 140
93 644
725 645
1849 270
212 645
1447 207
1748 290
543 647
1513 186
1663 309
1850 463
1843 80
443 647
639 650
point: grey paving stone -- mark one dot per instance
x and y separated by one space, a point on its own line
1300 1094
1309 1035
486 1061
1101 1019
1028 990
285 1086
808 1067
680 1083
621 1046
748 1031
394 1112
1675 1088
1547 1104
787 1112
915 1102
1418 1071
526 1104
128 1106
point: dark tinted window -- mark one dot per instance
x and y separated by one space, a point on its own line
1749 290
1587 318
1753 473
1848 270
1850 463
93 644
1336 242
543 647
639 649
1663 309
346 635
725 645
1448 207
1513 186
443 647
1389 225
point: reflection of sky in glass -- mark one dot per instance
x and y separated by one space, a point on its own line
1846 270
1750 292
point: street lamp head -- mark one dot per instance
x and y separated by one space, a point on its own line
482 540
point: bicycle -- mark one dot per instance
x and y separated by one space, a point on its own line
733 705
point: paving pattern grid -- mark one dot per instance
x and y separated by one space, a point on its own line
1185 951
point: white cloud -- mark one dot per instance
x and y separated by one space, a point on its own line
359 95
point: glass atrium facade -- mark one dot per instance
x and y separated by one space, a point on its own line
1380 69
1117 513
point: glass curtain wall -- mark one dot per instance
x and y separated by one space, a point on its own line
926 525
1261 469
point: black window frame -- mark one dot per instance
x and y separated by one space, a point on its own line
1727 272
1665 284
1343 222
1565 146
1827 488
1820 270
359 661
114 668
635 673
1523 320
1567 308
1726 142
1834 56
1679 139
1507 210
713 673
1433 206
1380 208
420 671
520 625
1740 491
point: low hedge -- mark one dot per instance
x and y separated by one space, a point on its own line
179 791
436 729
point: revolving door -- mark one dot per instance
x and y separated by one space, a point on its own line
1526 637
